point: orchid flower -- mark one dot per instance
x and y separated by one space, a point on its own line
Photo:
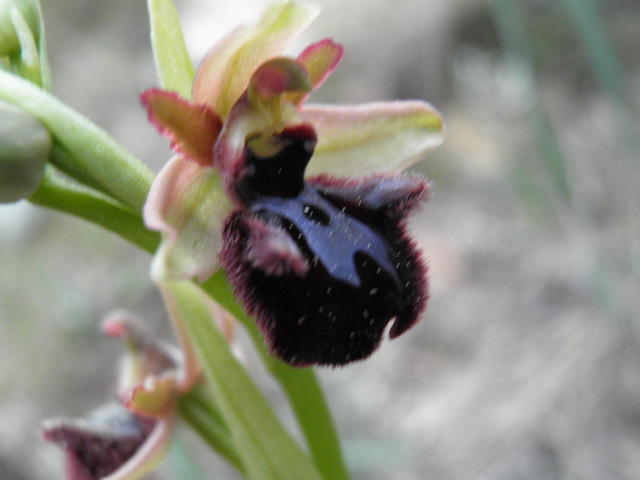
303 206
125 440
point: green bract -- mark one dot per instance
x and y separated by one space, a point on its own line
25 146
9 37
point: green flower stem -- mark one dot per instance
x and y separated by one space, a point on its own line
301 386
197 410
98 155
60 194
67 164
45 71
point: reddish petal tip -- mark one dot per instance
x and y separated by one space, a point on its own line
191 128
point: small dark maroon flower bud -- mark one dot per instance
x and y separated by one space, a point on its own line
324 264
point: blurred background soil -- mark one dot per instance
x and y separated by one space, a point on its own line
527 363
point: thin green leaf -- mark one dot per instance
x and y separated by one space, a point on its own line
587 16
268 452
310 407
173 64
513 27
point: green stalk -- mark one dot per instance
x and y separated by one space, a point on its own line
200 399
68 164
95 153
63 195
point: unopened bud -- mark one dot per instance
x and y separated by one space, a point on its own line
25 146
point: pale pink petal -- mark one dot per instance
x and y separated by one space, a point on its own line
372 138
225 72
209 79
320 60
188 206
192 129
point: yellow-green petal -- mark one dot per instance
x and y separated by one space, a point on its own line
380 137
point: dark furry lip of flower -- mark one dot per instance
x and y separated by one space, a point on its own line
303 206
323 265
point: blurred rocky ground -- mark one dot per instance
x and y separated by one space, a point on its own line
527 363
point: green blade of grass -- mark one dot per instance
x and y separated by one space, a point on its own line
513 29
